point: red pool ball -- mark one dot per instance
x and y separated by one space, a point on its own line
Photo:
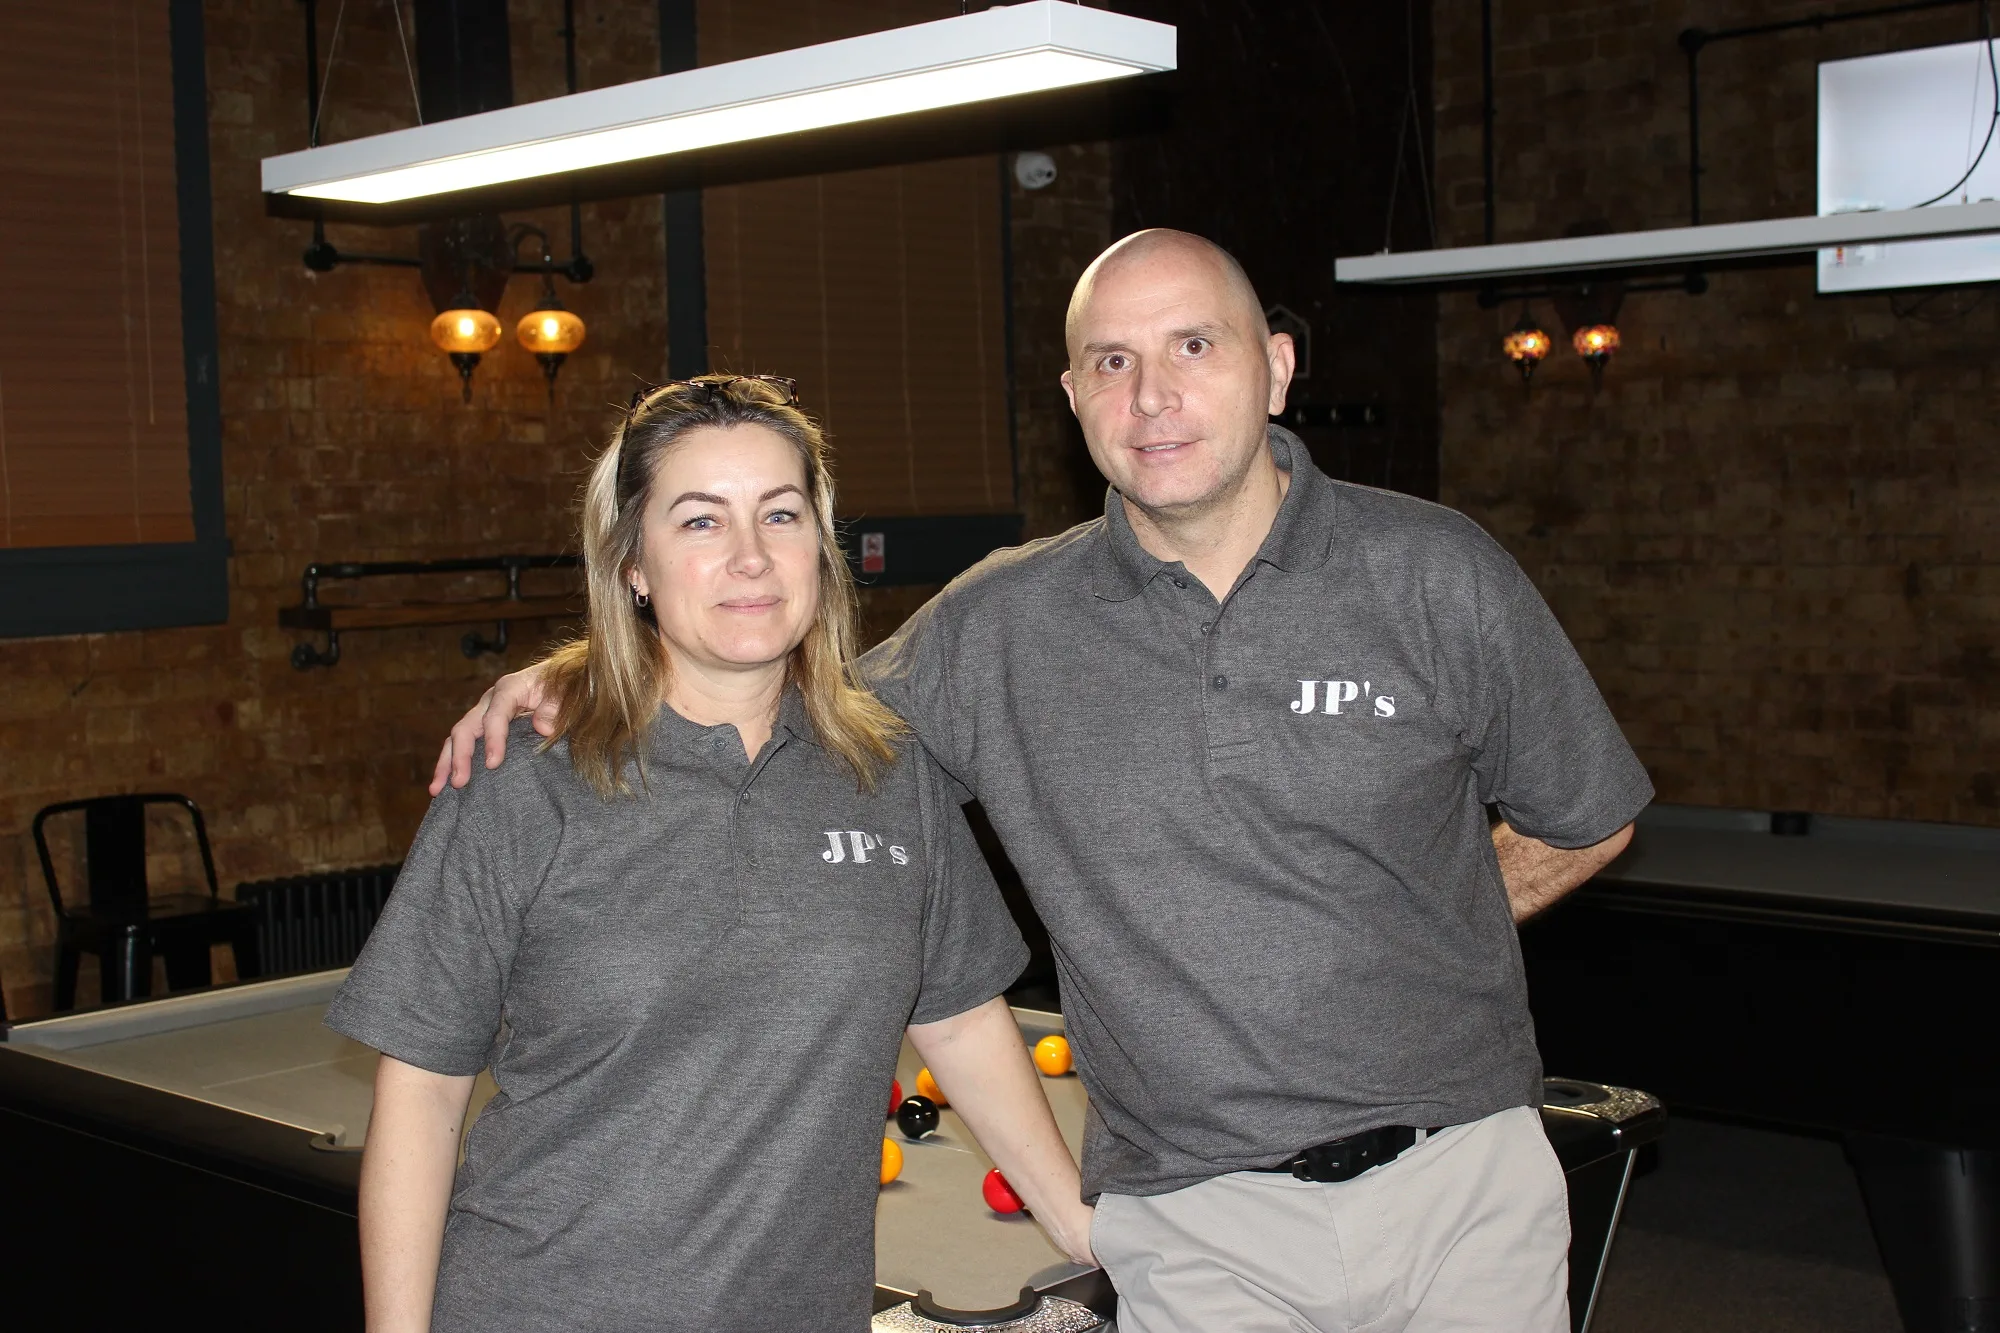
895 1096
1000 1196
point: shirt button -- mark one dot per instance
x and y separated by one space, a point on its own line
745 798
1206 628
1220 682
1180 583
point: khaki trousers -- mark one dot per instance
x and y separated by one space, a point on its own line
1467 1232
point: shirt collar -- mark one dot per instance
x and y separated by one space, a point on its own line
1301 536
792 718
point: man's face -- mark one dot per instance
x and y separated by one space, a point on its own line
1172 380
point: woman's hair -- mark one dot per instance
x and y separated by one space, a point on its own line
610 683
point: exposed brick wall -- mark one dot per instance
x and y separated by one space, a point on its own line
1057 230
1774 532
344 438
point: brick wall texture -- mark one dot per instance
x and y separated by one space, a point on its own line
1774 532
344 439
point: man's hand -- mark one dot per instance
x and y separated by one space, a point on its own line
1536 874
512 695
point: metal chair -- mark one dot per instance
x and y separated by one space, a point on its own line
122 923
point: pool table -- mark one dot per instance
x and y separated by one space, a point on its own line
1827 975
201 1152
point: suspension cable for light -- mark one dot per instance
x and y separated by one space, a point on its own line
1006 51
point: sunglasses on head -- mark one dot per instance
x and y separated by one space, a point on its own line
709 389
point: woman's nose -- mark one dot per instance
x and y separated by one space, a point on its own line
748 556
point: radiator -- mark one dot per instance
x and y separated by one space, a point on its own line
307 923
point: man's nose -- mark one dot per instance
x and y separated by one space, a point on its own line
1155 389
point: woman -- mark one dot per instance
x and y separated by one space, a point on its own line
687 937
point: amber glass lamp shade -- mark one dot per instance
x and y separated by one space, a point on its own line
466 331
550 332
1595 340
1595 343
1525 345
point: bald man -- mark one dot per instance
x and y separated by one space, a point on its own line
1240 736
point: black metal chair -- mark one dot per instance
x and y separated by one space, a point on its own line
122 923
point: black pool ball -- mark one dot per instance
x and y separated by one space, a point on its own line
916 1117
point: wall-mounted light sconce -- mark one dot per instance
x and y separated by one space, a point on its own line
1596 343
1525 345
465 264
549 331
466 334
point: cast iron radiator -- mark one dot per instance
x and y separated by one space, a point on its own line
307 923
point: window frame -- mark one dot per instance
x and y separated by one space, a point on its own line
51 590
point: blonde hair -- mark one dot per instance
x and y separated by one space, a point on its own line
611 681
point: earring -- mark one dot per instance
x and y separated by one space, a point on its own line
640 599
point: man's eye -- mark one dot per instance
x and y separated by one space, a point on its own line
1195 346
1115 362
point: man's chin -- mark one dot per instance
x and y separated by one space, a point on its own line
1171 498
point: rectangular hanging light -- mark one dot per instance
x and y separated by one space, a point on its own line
1000 52
1669 247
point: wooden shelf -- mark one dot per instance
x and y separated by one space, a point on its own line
394 615
332 619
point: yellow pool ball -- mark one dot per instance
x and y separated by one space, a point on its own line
1052 1056
927 1087
892 1160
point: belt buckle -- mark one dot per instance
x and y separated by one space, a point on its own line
1330 1163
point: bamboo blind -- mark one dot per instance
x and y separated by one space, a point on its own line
93 401
879 291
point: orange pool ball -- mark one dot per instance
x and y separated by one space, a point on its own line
892 1160
1052 1056
927 1087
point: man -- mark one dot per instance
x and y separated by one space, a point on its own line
1239 736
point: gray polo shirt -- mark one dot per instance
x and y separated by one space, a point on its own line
692 1001
1257 830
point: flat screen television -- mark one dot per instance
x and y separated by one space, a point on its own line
1895 130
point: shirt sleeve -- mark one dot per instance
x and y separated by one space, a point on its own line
1546 749
911 672
972 948
429 985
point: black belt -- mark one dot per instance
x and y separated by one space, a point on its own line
1344 1159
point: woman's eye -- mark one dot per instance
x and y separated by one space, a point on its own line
700 523
782 516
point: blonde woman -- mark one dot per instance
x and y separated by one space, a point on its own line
686 936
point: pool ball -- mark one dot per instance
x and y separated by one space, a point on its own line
927 1087
916 1117
895 1094
892 1160
1052 1056
1000 1196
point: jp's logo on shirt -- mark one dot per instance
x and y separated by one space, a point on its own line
1337 693
863 845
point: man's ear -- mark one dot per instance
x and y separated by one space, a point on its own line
1284 359
1069 391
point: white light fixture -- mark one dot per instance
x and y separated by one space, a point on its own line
1001 52
1669 247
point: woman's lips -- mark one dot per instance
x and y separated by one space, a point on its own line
749 605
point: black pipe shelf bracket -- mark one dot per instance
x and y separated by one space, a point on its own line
331 619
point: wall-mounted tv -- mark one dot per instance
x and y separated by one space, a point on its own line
1894 131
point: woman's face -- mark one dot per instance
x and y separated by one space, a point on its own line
729 552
